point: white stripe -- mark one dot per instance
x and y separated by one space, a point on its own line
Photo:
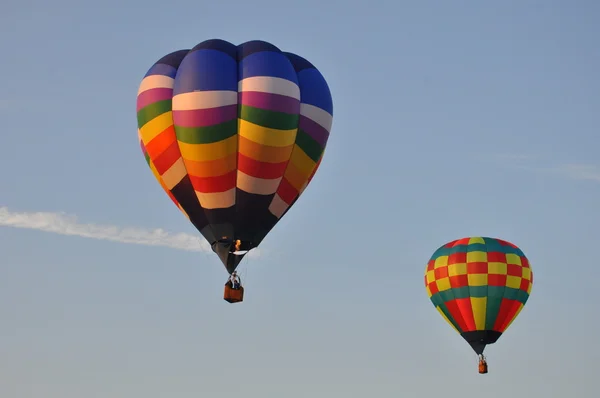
273 85
278 206
317 115
204 100
156 81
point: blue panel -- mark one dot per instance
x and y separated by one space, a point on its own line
267 63
174 59
218 44
298 62
162 69
314 90
205 70
254 46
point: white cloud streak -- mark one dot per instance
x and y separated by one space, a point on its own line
575 171
65 224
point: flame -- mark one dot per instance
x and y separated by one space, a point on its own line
238 243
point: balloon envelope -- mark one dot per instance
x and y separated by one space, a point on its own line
233 134
479 285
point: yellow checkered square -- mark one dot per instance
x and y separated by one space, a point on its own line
478 279
441 261
430 276
443 284
513 259
513 281
527 273
457 269
476 257
497 268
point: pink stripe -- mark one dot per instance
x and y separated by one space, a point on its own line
270 102
153 95
204 117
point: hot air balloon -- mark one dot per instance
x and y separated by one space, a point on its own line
233 134
479 285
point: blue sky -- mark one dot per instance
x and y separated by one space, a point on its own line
450 120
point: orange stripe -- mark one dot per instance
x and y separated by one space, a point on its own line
161 142
259 169
211 168
214 184
264 153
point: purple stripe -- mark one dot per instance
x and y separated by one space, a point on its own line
204 117
153 95
270 102
314 129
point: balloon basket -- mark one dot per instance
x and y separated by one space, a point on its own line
483 367
232 295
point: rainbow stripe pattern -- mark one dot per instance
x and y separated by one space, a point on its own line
233 134
479 285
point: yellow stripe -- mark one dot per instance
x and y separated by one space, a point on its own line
302 162
457 269
156 126
476 240
266 136
205 152
497 268
446 318
441 261
295 177
512 258
478 279
479 309
476 257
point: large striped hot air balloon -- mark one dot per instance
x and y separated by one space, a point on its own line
479 285
233 134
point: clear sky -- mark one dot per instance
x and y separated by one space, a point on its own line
450 119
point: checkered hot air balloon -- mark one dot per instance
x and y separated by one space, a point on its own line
233 134
479 285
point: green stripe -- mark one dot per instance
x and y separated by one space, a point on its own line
269 119
153 110
491 245
495 295
208 134
147 157
516 294
312 148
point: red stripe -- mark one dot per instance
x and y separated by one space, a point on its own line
466 309
260 169
440 272
454 310
214 184
512 312
459 281
515 270
477 268
165 160
286 191
457 258
496 257
430 265
503 314
496 280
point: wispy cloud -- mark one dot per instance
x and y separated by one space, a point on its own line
580 171
576 171
65 224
